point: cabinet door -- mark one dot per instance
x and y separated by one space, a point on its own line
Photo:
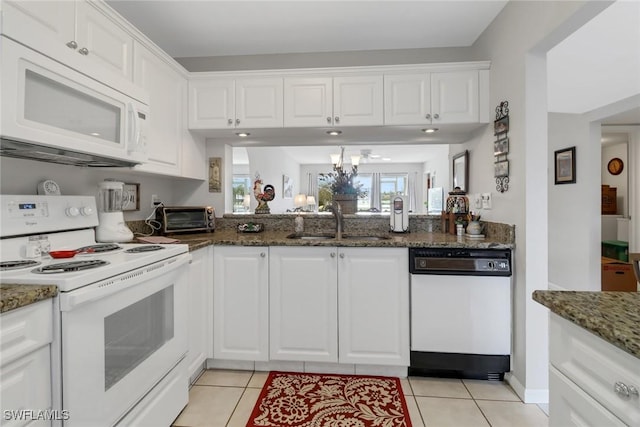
373 299
241 303
407 99
569 405
107 44
455 97
40 24
358 100
200 296
165 87
259 103
303 304
308 101
212 104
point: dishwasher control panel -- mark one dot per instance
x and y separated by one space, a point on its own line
472 262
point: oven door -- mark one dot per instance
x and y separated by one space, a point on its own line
120 337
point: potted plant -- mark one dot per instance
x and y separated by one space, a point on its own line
341 183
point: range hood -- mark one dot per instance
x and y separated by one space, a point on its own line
42 153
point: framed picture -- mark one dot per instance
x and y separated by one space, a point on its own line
132 196
287 187
501 169
501 146
501 125
565 166
215 174
461 171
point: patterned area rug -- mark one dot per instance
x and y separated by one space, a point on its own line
318 400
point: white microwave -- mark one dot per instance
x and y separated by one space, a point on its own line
47 106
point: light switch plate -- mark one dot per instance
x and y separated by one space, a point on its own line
486 200
477 201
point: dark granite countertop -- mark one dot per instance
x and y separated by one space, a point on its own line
16 296
613 316
279 238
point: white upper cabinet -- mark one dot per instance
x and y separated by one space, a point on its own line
436 98
308 101
165 87
75 33
236 103
357 101
333 101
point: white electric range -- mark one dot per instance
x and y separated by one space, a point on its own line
120 316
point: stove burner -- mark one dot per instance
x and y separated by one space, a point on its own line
66 267
16 265
147 248
100 248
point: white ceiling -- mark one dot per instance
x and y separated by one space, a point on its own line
188 28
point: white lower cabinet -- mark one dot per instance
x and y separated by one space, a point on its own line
200 321
303 299
25 364
373 305
346 305
591 382
241 303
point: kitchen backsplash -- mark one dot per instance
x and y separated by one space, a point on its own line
353 224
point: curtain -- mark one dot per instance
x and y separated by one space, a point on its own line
375 192
411 191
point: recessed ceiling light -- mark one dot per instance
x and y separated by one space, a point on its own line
375 156
94 134
429 130
334 132
243 134
386 159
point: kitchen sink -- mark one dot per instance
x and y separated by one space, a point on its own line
307 236
324 236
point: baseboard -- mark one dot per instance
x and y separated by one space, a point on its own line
527 395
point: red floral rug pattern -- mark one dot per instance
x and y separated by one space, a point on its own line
330 400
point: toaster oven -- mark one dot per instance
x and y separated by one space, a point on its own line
186 219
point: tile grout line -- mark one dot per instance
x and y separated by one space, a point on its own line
476 403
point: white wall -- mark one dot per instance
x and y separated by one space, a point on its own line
19 176
574 222
516 43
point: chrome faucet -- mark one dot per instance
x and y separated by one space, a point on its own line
336 210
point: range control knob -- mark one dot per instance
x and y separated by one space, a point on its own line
86 210
72 211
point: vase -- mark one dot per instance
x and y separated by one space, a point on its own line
348 202
474 228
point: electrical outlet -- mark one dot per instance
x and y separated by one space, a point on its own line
477 201
155 200
486 200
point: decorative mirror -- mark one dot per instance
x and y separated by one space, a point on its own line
461 171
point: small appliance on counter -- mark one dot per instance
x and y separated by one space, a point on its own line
399 217
111 200
186 219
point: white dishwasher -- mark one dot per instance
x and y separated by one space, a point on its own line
460 312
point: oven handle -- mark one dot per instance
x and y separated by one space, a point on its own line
107 287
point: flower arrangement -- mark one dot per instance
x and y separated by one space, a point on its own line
341 181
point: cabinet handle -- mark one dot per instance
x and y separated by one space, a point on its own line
337 119
428 116
262 255
436 116
84 51
333 254
72 44
237 121
230 121
341 255
624 390
328 119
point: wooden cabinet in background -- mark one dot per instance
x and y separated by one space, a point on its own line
609 200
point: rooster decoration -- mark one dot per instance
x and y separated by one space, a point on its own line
263 197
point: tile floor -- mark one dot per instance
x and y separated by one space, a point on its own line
225 398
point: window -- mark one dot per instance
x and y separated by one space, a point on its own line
241 187
390 185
